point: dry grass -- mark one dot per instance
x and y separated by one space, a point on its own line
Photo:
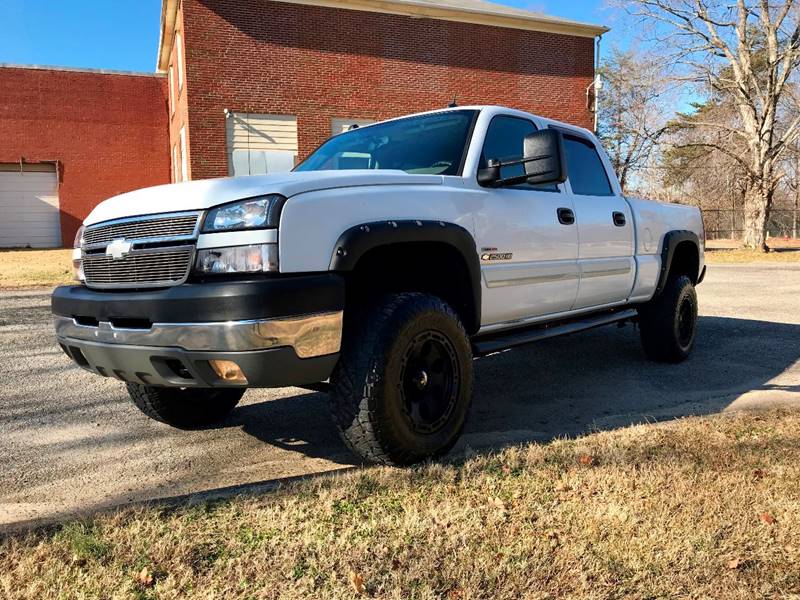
730 251
34 268
741 255
698 508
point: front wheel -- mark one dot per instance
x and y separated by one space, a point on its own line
669 322
403 385
185 408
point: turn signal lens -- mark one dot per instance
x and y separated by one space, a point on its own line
78 242
259 258
228 371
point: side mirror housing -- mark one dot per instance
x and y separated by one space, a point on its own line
544 160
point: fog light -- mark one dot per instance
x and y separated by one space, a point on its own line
228 371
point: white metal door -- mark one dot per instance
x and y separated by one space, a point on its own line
605 228
260 144
29 210
528 257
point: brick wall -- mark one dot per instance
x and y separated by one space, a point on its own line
321 63
108 132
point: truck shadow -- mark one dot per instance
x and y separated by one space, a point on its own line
592 381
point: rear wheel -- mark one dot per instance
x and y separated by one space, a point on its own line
403 385
185 408
669 322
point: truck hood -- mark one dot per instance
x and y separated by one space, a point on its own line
206 193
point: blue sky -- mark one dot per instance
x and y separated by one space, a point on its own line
124 35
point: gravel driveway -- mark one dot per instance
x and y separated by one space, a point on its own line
71 441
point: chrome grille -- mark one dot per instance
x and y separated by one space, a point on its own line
160 251
164 226
161 267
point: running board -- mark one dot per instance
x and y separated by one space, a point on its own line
517 337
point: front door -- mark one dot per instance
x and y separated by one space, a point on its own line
526 236
605 228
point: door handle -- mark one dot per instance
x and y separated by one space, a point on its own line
619 219
566 216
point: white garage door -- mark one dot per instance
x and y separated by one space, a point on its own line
29 214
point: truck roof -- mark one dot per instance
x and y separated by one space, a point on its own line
493 109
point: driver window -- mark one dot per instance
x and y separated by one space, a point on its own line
504 141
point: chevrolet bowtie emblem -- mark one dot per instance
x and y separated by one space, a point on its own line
118 249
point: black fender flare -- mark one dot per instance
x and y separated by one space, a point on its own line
671 241
357 241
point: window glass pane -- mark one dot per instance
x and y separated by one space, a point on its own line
504 141
587 175
179 59
171 85
184 158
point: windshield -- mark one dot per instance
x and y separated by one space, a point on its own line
428 144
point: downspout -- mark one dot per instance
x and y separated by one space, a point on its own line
597 88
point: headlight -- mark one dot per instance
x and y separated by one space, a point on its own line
259 258
255 213
77 264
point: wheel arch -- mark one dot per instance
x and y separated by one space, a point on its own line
420 248
680 254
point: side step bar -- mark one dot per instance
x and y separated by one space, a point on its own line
516 337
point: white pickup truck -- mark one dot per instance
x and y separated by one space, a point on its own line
376 271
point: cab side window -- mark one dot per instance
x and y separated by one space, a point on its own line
587 175
504 141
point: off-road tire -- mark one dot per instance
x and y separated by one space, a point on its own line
668 323
378 414
185 408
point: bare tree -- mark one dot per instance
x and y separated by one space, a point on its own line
631 115
748 50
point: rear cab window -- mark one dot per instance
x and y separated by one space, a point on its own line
585 169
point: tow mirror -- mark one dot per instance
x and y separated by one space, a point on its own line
543 161
544 157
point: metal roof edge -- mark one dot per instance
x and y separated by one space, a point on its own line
416 8
80 70
169 14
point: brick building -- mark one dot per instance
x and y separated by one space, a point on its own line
252 87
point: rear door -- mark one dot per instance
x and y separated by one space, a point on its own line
605 227
527 242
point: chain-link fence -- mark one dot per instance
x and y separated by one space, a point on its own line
728 223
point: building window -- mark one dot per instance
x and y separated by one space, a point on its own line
184 158
175 177
260 144
171 84
179 59
341 125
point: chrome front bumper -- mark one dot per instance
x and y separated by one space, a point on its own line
309 335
